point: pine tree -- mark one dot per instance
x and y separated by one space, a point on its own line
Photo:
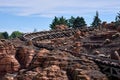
96 20
5 34
63 21
54 23
117 19
58 21
1 36
71 21
79 22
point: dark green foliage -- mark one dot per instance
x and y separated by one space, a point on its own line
1 36
96 20
54 22
4 35
117 19
58 21
79 22
71 21
63 21
15 34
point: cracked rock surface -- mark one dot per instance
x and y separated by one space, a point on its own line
22 61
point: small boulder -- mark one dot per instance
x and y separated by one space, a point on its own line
115 56
107 41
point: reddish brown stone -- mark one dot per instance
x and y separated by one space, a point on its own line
61 27
118 28
8 64
115 55
77 34
24 55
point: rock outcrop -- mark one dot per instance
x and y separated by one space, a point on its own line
58 58
24 55
8 64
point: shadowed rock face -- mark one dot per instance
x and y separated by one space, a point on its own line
24 55
8 64
20 60
52 72
7 47
118 28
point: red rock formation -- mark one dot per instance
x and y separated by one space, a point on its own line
115 55
43 64
26 76
111 26
42 52
51 73
76 47
118 28
8 64
61 27
104 24
7 47
24 55
77 34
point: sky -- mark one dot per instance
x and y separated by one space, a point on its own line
27 15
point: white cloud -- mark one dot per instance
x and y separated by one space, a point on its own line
49 8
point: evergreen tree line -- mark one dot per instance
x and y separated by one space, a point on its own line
75 22
14 34
72 22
